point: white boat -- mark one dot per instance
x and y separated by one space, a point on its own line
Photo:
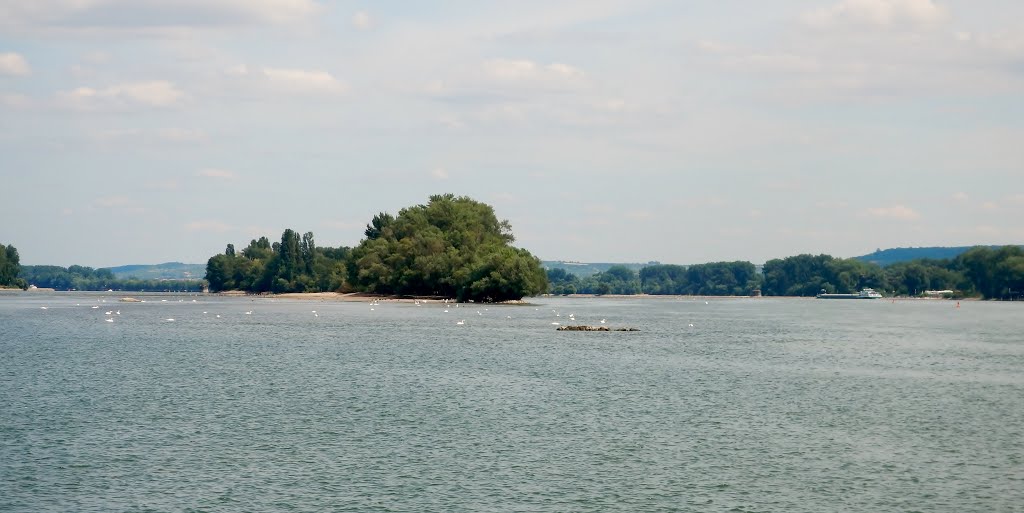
865 293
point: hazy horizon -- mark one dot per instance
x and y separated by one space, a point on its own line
147 131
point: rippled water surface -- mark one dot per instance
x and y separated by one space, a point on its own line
762 405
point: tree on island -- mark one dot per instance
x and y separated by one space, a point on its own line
293 265
10 268
450 247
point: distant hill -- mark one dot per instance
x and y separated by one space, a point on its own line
588 268
884 257
165 271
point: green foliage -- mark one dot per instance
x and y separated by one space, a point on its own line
562 282
711 279
887 257
10 268
293 265
807 275
617 279
78 277
993 273
450 247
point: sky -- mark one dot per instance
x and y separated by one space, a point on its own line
147 131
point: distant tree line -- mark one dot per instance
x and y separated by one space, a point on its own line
991 273
451 247
10 268
981 271
77 277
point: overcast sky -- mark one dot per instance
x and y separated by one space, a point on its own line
145 131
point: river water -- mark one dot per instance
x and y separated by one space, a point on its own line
724 405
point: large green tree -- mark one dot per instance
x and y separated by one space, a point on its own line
450 247
10 268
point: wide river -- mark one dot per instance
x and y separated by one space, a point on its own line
727 405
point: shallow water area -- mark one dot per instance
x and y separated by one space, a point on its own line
256 404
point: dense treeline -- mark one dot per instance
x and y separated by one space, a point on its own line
991 273
10 268
807 275
450 247
79 277
712 279
617 279
293 265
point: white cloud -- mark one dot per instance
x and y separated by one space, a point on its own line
899 212
13 64
291 80
361 20
878 13
439 173
526 70
221 174
960 197
153 93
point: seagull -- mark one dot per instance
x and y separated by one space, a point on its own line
169 320
110 320
95 307
44 307
445 310
249 312
109 313
602 321
460 323
218 316
691 324
118 312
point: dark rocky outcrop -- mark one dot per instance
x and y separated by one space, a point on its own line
594 328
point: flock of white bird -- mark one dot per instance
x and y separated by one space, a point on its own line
111 314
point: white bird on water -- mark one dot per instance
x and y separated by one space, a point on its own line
169 320
44 307
460 323
110 320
